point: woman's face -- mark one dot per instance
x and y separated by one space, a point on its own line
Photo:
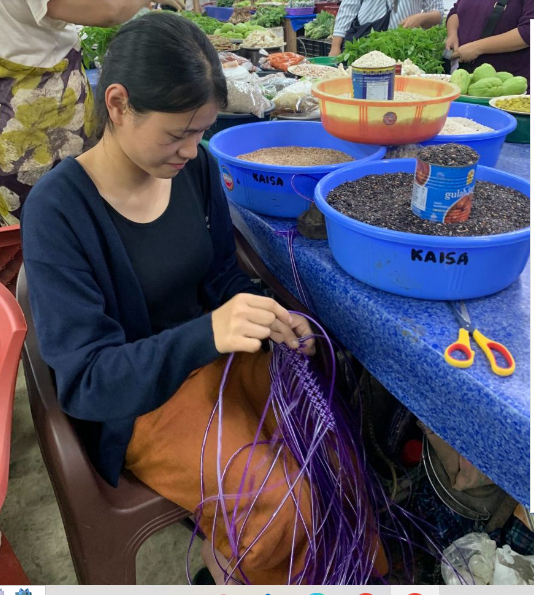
160 143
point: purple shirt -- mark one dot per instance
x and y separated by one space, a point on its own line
472 16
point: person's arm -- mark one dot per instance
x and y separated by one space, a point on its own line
452 42
432 14
348 11
97 13
510 41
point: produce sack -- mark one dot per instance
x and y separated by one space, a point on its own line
245 97
272 84
297 99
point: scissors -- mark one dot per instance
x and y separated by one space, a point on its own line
488 346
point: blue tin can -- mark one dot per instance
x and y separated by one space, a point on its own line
373 83
443 194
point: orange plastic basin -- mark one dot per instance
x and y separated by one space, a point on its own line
385 122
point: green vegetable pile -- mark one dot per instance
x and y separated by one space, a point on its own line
269 16
225 3
239 31
487 82
424 47
322 27
207 24
95 42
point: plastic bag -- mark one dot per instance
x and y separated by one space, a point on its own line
229 57
297 98
512 568
475 560
471 560
272 84
245 97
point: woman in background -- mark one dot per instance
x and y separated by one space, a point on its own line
507 49
46 105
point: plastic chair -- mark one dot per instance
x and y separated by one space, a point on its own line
10 256
105 526
12 333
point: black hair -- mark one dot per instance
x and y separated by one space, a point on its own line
166 63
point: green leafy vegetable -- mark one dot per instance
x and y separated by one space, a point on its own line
207 24
269 16
424 47
95 42
322 27
225 3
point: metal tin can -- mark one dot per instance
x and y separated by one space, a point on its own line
373 83
443 194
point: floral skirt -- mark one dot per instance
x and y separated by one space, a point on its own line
46 114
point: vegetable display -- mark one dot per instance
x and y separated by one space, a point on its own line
95 42
423 47
207 24
322 27
239 31
270 16
487 82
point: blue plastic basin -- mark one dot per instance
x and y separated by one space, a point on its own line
277 190
487 144
220 13
395 261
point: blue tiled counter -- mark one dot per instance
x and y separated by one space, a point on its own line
401 342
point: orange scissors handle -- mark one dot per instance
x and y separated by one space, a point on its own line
463 345
490 348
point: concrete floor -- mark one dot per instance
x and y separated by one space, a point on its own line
31 521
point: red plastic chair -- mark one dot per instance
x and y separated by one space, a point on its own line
10 256
12 333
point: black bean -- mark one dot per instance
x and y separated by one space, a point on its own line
385 201
449 155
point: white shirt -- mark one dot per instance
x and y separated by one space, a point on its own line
28 37
368 11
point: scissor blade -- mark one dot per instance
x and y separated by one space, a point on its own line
461 314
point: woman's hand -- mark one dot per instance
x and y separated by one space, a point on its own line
468 52
452 42
289 334
413 21
175 4
245 321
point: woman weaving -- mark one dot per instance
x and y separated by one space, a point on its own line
137 297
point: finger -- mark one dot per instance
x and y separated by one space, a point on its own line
288 336
265 303
255 331
259 316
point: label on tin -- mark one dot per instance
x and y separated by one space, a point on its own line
443 194
372 84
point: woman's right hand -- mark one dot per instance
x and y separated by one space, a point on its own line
245 321
452 42
335 48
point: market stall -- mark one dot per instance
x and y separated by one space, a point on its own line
401 341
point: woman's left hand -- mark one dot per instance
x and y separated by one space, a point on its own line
300 327
467 52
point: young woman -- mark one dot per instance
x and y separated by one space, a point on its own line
137 296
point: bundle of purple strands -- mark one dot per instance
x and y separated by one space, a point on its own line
324 436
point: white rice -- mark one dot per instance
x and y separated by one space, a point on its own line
459 126
374 59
